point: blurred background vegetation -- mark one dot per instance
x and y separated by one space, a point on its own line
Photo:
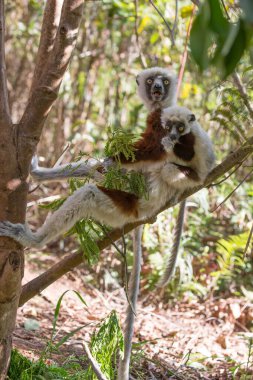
117 39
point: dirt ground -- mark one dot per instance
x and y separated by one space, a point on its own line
193 340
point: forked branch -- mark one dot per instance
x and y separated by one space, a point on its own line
44 95
70 262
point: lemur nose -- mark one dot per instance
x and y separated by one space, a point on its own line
173 137
157 86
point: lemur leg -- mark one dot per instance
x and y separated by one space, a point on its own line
74 169
88 201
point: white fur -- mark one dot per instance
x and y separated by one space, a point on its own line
164 181
142 77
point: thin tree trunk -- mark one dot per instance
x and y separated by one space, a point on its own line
11 207
18 143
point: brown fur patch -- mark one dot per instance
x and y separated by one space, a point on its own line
188 172
149 147
126 202
185 148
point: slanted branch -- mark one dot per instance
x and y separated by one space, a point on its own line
41 282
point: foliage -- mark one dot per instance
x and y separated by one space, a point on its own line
235 267
215 40
23 369
120 142
132 182
105 344
231 113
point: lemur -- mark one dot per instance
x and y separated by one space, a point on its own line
178 155
157 89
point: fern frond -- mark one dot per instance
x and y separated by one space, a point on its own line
120 142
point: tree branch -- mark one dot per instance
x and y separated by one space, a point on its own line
5 117
68 263
51 19
196 2
44 95
238 83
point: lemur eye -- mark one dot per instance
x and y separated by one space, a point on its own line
166 81
149 81
168 125
181 128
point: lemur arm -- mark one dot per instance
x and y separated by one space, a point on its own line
147 148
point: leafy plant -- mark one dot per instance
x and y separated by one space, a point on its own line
105 344
23 369
120 142
232 262
215 40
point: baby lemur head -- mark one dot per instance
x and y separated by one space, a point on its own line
179 122
157 87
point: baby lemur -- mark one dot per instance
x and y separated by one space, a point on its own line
178 155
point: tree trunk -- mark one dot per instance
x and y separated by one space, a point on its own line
13 194
18 143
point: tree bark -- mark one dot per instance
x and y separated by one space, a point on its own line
18 144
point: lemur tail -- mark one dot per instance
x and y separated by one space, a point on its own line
175 248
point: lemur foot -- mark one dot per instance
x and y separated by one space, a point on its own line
12 230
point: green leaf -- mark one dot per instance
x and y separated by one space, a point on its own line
58 307
200 38
237 48
218 22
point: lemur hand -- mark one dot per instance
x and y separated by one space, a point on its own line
167 143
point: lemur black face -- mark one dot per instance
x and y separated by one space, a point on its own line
175 129
157 87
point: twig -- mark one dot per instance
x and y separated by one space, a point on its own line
248 241
59 160
93 363
143 59
123 255
39 283
233 191
225 9
176 17
230 174
165 21
243 93
185 54
5 117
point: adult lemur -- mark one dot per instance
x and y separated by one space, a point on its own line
174 153
157 89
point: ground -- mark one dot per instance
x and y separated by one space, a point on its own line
193 340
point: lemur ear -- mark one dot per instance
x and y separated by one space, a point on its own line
137 80
191 117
